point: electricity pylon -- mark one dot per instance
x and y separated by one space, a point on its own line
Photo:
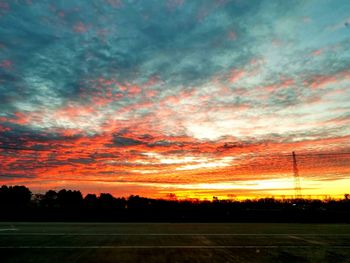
297 187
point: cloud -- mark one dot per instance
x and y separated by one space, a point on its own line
166 92
123 141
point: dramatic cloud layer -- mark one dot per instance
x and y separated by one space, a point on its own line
197 98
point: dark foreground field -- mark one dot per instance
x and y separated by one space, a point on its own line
188 242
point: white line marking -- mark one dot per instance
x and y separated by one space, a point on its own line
9 229
166 247
164 234
310 241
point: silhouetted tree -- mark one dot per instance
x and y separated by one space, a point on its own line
106 200
16 204
69 199
15 196
171 196
91 201
4 195
49 199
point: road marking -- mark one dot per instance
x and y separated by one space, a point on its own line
169 247
315 242
9 229
164 234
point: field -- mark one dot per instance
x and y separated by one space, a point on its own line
173 242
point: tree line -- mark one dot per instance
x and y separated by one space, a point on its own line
18 203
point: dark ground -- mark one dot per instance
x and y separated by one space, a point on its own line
173 242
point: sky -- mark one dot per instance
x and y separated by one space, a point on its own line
195 98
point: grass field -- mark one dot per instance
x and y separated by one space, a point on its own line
168 242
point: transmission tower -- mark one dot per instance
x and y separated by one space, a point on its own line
297 187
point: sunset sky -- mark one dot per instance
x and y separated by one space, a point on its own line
197 98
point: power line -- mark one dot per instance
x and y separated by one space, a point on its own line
243 155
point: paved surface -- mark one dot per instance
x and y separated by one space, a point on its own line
166 242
